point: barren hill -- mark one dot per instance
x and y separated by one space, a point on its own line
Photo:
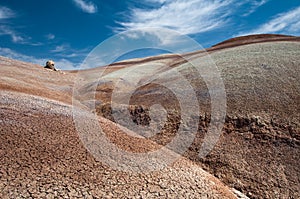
43 155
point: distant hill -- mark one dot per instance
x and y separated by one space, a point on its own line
259 38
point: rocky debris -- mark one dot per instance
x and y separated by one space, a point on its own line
104 110
140 115
249 135
250 127
50 65
239 194
254 155
235 161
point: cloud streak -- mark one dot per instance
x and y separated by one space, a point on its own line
60 48
186 17
6 13
50 36
88 7
254 5
15 37
7 30
65 50
283 23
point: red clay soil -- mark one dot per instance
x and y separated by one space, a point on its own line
42 155
258 150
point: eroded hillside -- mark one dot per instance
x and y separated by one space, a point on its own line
43 155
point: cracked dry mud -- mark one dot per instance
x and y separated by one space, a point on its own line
42 154
42 157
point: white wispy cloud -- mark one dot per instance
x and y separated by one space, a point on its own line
66 64
254 5
60 48
50 36
186 17
181 16
6 13
7 30
157 1
59 63
85 6
7 52
283 23
66 51
15 37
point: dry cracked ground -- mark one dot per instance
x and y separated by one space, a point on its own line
47 149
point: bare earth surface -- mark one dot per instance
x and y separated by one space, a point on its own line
43 156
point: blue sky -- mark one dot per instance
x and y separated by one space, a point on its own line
66 31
